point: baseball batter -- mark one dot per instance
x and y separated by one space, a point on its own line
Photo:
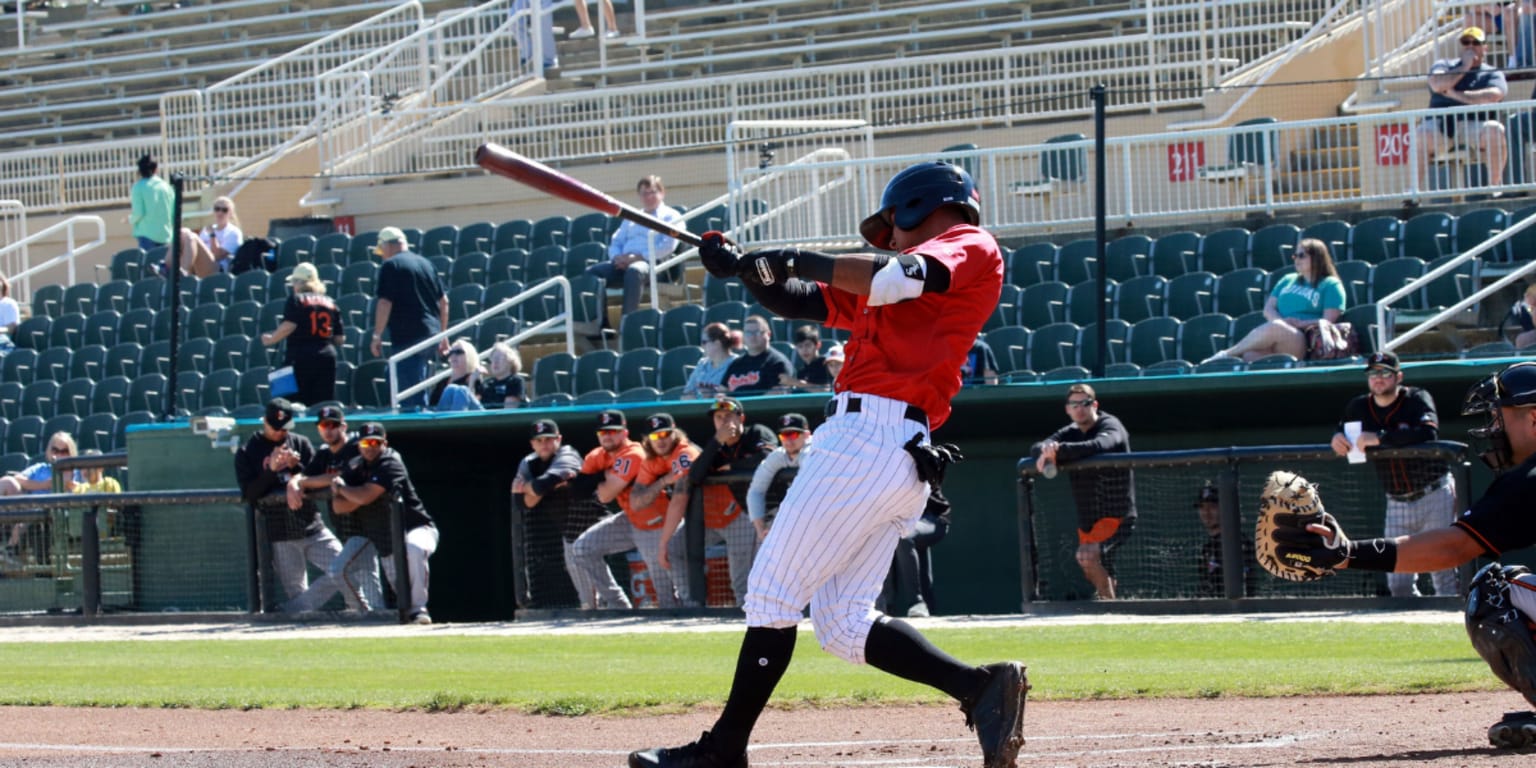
1421 493
912 316
1501 602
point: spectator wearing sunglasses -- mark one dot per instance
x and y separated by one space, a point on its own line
223 236
1105 498
36 478
1467 79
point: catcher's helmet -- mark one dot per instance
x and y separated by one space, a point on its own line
916 192
1513 387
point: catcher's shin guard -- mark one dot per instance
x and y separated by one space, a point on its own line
1499 632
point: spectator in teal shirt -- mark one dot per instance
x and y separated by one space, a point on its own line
1299 300
151 200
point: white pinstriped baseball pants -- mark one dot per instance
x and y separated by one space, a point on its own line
1435 509
856 493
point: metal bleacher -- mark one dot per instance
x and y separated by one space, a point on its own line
102 76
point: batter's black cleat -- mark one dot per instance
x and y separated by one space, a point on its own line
997 714
1516 731
699 754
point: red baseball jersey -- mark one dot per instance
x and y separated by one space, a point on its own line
653 468
913 350
625 462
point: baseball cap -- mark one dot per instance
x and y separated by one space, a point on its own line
611 419
389 235
835 353
280 413
657 422
1384 360
726 404
304 272
331 413
1208 495
544 428
372 429
1476 33
793 421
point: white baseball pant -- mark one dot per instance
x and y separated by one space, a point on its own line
831 545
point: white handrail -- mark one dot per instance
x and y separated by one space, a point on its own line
1385 339
1331 20
568 318
21 279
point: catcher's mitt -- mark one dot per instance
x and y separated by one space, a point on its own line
1281 541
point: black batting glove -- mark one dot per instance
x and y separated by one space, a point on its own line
719 255
932 460
767 267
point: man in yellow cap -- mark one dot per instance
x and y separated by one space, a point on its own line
1458 82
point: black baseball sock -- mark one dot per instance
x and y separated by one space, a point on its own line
765 654
897 647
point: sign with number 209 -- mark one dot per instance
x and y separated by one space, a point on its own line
1392 143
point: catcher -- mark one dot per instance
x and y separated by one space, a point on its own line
1297 540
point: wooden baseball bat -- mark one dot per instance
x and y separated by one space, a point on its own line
504 162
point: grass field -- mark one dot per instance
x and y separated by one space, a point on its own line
663 671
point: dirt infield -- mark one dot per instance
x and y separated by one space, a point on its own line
1436 730
1361 732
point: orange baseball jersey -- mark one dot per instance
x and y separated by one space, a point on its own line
679 460
625 463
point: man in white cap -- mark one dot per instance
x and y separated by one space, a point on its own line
412 305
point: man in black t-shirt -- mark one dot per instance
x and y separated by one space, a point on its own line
371 482
761 368
412 304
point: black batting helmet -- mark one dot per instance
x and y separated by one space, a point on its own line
1513 387
916 192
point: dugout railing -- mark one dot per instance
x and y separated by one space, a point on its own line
1162 557
201 551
